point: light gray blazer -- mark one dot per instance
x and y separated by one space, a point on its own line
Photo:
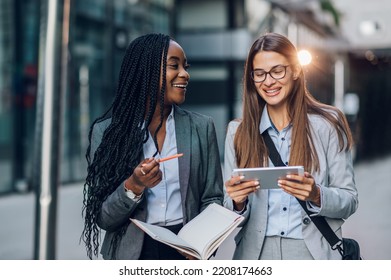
200 178
339 195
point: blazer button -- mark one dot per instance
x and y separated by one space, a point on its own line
306 221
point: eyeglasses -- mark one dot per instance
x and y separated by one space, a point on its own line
277 73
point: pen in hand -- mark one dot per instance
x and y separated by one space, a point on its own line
170 157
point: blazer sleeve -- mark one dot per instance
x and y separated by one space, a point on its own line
229 159
229 165
336 177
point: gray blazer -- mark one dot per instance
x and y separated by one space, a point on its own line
339 195
200 178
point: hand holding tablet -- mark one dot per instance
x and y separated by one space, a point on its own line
268 176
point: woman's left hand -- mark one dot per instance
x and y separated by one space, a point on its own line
302 187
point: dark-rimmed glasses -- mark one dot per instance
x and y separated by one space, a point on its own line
278 72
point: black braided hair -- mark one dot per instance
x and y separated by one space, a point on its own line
121 147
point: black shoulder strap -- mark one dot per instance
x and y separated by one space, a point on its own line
319 221
274 155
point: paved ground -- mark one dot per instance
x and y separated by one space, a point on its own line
370 225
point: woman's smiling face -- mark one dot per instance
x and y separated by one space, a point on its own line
273 91
177 77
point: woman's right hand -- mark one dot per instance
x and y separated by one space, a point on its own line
146 175
238 190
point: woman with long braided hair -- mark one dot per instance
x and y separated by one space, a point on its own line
125 176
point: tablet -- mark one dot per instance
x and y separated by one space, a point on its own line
268 176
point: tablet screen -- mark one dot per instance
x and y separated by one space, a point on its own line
268 176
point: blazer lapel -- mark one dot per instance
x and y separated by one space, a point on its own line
183 138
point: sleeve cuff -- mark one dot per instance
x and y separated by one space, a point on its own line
240 212
314 208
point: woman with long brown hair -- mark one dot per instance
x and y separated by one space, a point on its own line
305 132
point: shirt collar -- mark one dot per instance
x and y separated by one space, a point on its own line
171 115
266 123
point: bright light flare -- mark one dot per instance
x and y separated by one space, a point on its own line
305 57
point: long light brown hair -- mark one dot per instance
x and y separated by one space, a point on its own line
250 149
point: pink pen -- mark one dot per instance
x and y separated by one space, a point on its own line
170 157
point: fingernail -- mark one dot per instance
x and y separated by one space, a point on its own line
241 177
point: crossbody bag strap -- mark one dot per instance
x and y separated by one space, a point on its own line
319 221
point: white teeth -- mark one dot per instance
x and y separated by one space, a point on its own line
272 91
180 86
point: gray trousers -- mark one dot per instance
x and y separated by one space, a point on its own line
279 248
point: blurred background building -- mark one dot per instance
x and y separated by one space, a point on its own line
350 44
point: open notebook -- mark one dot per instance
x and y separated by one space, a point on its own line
201 236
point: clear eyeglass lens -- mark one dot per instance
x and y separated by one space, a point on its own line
276 73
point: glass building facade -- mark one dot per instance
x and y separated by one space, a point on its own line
215 34
99 31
